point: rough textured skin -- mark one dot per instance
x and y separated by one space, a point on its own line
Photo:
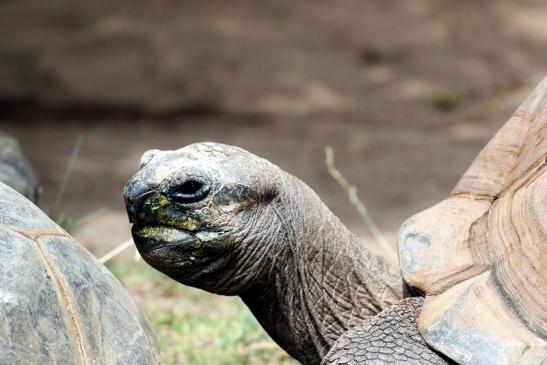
15 170
391 337
221 219
58 305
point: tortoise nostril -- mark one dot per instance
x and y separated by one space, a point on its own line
190 191
134 199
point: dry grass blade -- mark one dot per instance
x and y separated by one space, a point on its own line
351 190
137 256
116 251
83 220
68 173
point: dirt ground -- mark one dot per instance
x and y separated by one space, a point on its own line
406 92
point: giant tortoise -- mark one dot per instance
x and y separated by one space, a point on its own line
221 219
15 170
58 305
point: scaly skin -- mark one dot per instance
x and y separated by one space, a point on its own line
221 219
391 337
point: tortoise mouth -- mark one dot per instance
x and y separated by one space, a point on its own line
182 254
151 237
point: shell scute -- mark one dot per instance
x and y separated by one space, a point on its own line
58 304
484 271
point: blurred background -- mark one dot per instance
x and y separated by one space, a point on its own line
406 92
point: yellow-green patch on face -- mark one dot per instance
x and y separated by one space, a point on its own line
189 224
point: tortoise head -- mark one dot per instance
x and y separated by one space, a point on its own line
202 214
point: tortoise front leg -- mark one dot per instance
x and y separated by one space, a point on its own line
390 337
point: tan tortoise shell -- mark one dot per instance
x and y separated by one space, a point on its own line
480 256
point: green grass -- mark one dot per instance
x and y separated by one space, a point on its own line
447 100
195 327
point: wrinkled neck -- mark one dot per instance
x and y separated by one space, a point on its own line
322 281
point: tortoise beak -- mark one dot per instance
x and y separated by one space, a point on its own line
134 193
151 238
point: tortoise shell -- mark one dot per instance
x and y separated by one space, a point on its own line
15 170
58 305
480 256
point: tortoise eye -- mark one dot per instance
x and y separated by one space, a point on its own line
190 191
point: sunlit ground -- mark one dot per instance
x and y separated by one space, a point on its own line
195 327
